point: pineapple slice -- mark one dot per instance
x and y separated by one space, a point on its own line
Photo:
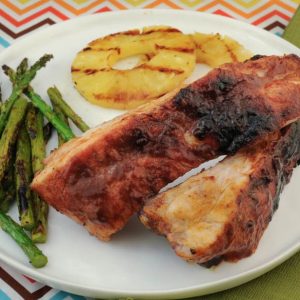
167 59
215 50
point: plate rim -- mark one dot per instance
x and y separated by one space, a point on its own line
194 290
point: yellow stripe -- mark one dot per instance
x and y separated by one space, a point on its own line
23 1
80 1
166 2
135 2
191 3
247 4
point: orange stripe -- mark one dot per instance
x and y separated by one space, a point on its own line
269 15
20 11
208 6
286 6
118 4
158 2
75 11
250 14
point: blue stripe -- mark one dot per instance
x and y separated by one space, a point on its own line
3 296
62 295
4 42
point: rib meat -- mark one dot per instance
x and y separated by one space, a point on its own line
104 177
221 213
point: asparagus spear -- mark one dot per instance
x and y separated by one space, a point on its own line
15 76
34 125
35 255
1 194
1 103
39 232
20 84
8 185
23 176
10 133
22 68
47 132
56 98
61 127
62 116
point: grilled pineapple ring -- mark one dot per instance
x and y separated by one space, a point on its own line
168 59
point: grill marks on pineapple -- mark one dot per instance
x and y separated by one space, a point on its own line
119 97
90 71
86 49
230 52
145 67
177 49
136 32
207 40
158 47
128 32
161 69
164 30
117 49
93 71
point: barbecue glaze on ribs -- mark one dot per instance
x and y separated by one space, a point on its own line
105 176
221 213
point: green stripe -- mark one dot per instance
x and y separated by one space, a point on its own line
292 31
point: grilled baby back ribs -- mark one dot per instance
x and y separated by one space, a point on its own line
104 177
221 213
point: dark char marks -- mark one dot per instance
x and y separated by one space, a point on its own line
224 109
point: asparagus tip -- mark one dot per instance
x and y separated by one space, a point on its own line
43 60
5 69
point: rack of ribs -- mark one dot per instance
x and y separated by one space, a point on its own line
221 213
102 178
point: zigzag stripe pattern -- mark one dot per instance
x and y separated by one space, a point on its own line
18 287
20 17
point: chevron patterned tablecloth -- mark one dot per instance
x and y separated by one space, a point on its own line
20 17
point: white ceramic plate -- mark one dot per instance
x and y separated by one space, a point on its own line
136 262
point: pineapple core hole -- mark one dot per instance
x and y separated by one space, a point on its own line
129 62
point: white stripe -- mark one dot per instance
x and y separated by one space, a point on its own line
10 292
31 287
